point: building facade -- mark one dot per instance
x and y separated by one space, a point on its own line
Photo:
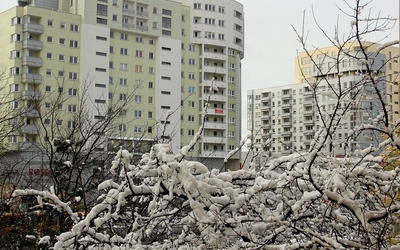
285 119
161 55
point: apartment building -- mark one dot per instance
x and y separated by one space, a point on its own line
285 119
162 53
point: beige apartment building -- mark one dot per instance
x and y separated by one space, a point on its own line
162 53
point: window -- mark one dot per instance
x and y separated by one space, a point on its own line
112 49
14 87
115 2
111 64
191 104
138 113
60 89
101 38
71 124
165 107
73 76
101 21
99 101
209 35
62 41
102 10
15 21
49 39
190 118
137 129
110 95
48 72
166 22
191 132
15 54
72 92
139 39
60 73
115 18
150 85
209 7
100 69
15 37
221 23
150 114
166 48
74 28
14 104
192 47
123 66
151 55
61 57
197 6
139 53
191 76
49 55
165 63
209 21
138 98
71 108
139 68
122 128
167 12
122 97
47 121
192 61
73 44
62 25
49 22
12 139
192 90
73 59
221 9
221 36
151 70
124 51
123 81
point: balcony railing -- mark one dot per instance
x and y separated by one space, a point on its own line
32 44
30 129
31 78
214 125
34 28
29 112
31 95
32 61
128 12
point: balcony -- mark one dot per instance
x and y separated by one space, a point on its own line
30 129
286 115
266 126
31 78
33 28
287 124
265 117
265 108
309 122
218 98
29 112
128 11
308 111
32 61
218 84
128 25
216 111
32 44
142 28
214 125
214 140
143 14
286 105
211 154
286 133
31 95
214 69
214 55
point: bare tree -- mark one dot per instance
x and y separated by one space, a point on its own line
310 199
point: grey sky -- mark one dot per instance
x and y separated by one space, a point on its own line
270 42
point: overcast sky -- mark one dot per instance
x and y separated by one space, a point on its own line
270 41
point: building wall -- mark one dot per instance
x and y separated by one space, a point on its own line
147 51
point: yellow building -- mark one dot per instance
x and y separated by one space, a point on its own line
162 54
311 64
